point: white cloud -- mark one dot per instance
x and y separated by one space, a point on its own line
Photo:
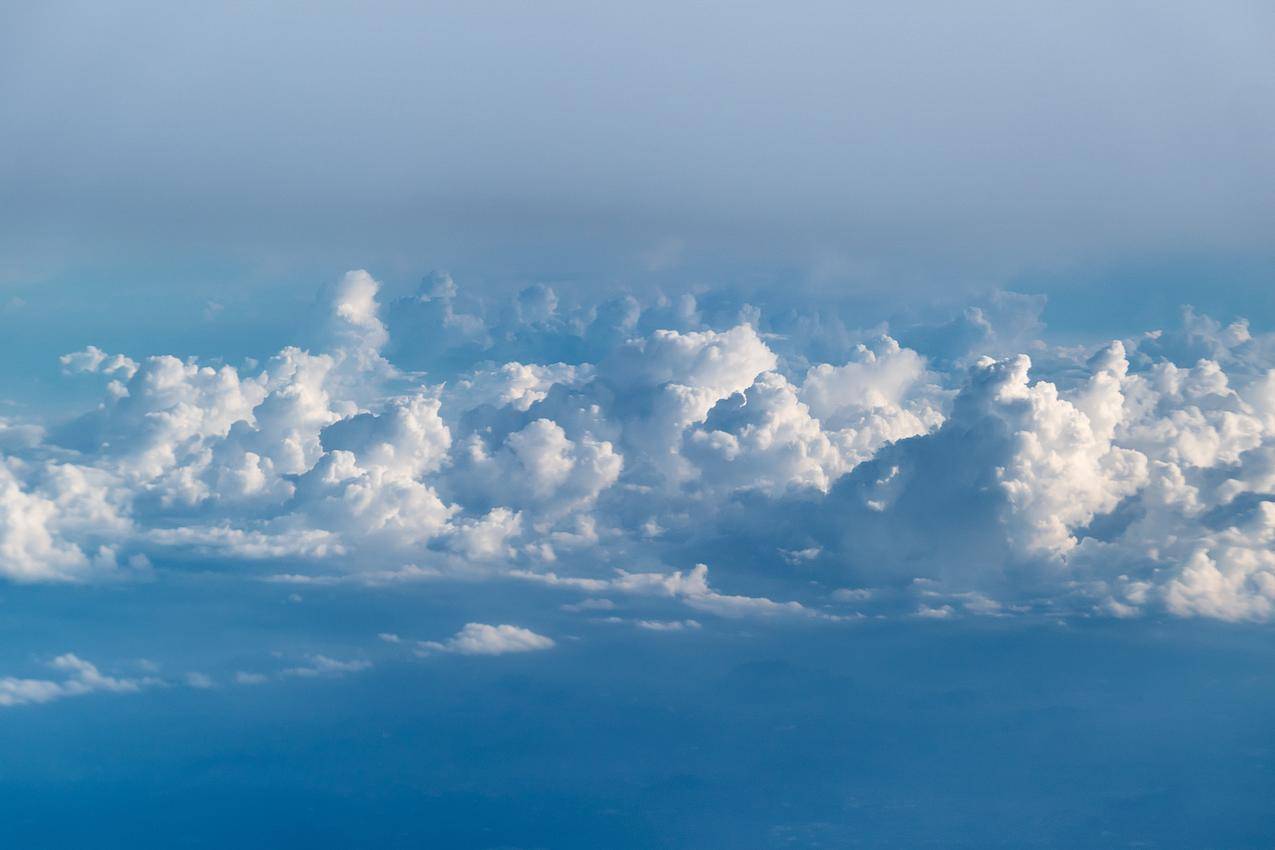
81 677
539 470
370 578
941 612
94 360
667 625
516 385
355 319
482 639
691 588
322 665
58 521
1132 477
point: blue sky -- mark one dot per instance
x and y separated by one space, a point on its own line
665 426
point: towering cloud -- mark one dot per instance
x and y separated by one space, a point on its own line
594 437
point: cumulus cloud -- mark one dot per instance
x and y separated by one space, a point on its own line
94 359
482 639
516 385
539 469
538 437
58 521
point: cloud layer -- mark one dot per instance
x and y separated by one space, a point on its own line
963 466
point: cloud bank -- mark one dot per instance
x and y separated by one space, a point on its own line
959 467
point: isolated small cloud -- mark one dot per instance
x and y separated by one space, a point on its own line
201 681
80 677
322 665
667 625
482 639
589 604
940 612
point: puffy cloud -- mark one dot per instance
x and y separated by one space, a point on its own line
93 359
380 504
1192 417
774 436
1231 583
367 482
61 523
486 538
1061 468
882 378
718 363
538 469
482 639
30 547
1014 472
516 385
355 320
161 420
670 380
764 438
1134 476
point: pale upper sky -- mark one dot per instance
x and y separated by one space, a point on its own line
859 144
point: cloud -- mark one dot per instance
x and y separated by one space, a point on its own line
690 587
200 681
81 677
589 604
93 359
482 639
941 612
370 578
515 385
667 625
322 665
17 436
798 454
59 521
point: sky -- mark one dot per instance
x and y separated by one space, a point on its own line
559 425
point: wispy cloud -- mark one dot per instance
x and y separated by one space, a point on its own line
79 678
